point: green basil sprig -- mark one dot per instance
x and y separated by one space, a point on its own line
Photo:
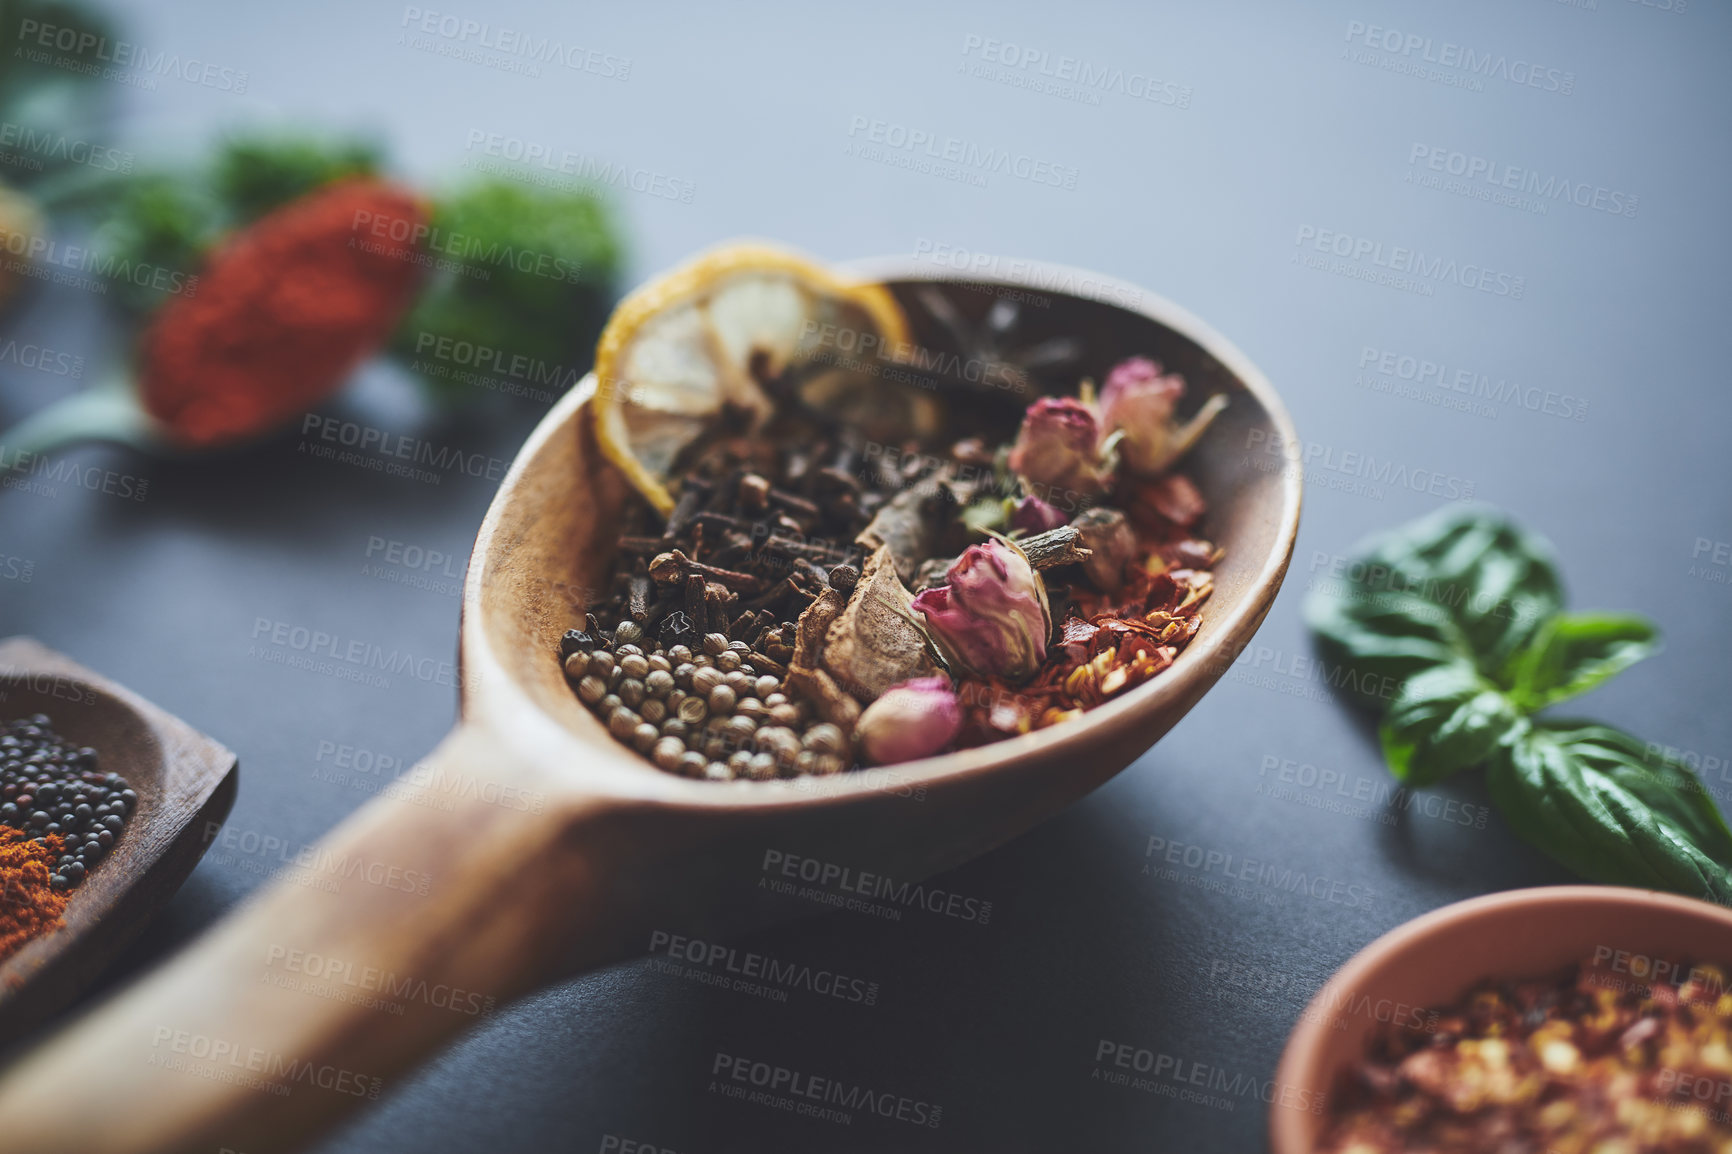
1454 625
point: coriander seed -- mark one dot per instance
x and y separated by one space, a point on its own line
824 738
667 753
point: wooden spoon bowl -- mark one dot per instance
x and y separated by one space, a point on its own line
530 845
185 784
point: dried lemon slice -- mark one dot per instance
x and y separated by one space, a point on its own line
687 353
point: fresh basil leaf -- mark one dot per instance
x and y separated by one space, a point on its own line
1462 582
1445 719
1596 800
1574 653
1380 638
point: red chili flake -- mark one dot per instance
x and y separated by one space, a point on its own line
283 313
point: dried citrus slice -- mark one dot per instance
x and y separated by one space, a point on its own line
687 353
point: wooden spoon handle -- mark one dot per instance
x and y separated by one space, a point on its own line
406 925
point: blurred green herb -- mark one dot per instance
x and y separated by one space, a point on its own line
521 284
1455 624
51 93
169 218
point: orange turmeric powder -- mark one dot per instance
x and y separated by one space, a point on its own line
29 906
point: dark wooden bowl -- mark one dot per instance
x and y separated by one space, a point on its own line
183 779
532 845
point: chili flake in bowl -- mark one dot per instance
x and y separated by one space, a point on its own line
1570 1019
1581 1062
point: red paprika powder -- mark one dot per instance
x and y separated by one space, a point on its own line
283 313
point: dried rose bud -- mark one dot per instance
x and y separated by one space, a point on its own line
1139 401
1057 447
1112 545
991 619
914 719
1036 516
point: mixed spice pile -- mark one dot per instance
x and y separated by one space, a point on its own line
1588 1061
59 817
816 602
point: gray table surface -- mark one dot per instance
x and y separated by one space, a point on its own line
1226 142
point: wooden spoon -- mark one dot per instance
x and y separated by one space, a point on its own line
185 784
530 845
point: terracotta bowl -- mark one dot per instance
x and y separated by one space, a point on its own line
1433 959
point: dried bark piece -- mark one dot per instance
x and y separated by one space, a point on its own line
875 643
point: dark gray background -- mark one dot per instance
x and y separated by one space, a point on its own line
998 1024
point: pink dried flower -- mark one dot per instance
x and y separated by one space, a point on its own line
1057 447
1138 402
914 719
991 619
